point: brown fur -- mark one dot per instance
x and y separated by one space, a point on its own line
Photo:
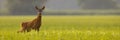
34 24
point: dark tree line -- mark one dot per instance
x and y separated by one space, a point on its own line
23 6
98 4
27 6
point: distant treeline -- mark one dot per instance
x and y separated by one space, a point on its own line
81 13
25 7
75 12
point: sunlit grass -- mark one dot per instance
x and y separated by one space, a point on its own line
63 28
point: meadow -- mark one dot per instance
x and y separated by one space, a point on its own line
63 28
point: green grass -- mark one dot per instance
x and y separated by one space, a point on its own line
63 28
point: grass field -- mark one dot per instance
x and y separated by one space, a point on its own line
63 28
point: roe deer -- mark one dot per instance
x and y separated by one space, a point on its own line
35 23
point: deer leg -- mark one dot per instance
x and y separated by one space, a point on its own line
22 30
28 30
24 27
37 29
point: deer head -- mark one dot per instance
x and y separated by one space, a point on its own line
40 9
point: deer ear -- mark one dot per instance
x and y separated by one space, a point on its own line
36 8
43 7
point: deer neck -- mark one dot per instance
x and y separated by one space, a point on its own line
39 16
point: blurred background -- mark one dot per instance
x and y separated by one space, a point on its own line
61 7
